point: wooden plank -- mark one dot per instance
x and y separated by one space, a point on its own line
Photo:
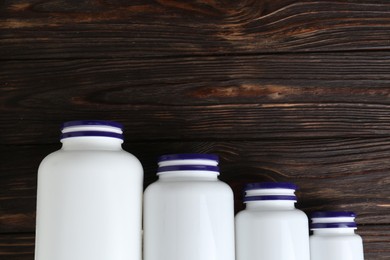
89 29
332 174
17 246
376 240
314 95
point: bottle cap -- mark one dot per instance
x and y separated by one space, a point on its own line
188 168
188 162
333 219
332 214
100 128
261 191
270 185
92 123
188 156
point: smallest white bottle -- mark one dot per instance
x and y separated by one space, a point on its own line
334 237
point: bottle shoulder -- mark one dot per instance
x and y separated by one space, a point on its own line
77 158
205 187
64 154
274 213
249 220
241 215
50 157
353 237
217 184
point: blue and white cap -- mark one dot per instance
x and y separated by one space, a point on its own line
188 162
85 128
262 191
333 219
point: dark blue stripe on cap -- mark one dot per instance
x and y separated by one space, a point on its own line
270 197
188 168
332 214
91 133
270 185
92 123
188 156
333 225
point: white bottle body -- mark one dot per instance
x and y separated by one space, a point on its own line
89 203
272 233
270 227
188 215
336 245
189 220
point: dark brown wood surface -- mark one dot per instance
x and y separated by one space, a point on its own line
90 29
266 96
282 90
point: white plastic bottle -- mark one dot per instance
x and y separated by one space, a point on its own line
89 200
334 237
270 227
188 212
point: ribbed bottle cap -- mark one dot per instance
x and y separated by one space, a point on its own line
188 156
188 168
188 162
83 128
333 225
332 214
92 123
270 197
332 219
261 191
270 185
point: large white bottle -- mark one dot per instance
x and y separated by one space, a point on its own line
334 237
89 197
270 227
188 212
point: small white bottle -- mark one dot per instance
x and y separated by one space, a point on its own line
188 212
270 227
334 237
89 200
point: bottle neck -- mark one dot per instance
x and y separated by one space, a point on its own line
188 176
91 143
270 205
334 231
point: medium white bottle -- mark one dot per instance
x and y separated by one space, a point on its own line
89 197
334 237
270 227
188 212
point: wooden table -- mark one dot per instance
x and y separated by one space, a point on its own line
282 90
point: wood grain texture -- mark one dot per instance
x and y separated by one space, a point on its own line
376 240
17 246
89 29
246 97
282 90
332 174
